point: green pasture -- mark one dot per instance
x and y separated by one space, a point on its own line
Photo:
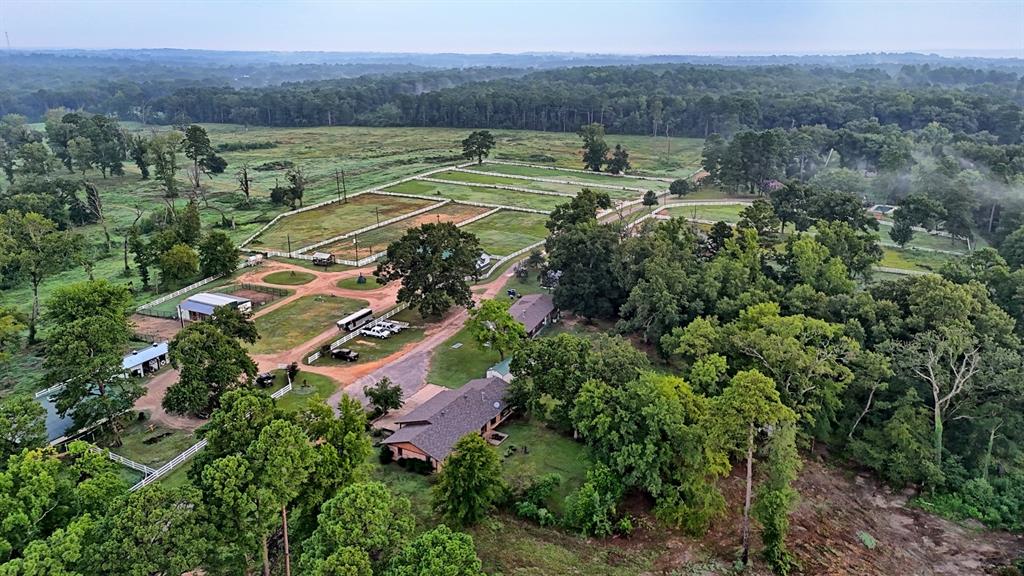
595 177
467 193
312 226
506 231
378 239
289 278
562 188
724 213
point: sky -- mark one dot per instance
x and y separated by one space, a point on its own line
984 28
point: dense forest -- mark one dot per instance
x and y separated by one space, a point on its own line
656 99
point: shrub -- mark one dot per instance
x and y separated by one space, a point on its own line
385 456
590 511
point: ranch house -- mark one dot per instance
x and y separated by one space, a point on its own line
430 431
534 311
202 306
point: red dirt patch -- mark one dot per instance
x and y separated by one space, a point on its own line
155 329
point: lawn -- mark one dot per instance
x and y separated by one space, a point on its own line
300 320
153 445
531 285
547 452
507 231
352 283
289 278
378 239
509 546
600 178
728 213
312 226
918 260
925 240
467 193
371 349
307 387
460 359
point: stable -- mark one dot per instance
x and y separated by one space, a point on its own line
430 431
145 361
534 312
202 306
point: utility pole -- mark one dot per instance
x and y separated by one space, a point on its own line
344 188
376 211
337 183
289 245
355 240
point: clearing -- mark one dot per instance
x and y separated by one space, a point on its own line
461 177
595 177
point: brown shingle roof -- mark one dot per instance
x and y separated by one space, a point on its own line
532 309
436 425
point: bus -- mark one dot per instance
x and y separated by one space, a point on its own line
355 320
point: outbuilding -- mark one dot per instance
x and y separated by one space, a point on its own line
145 361
202 306
323 259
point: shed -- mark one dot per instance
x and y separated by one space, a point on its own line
534 312
145 361
323 258
202 306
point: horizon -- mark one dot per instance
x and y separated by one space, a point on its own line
648 28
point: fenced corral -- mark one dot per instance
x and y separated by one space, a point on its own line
191 451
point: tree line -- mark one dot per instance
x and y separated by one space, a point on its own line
679 100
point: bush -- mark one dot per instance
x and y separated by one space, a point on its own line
385 456
590 511
243 146
416 465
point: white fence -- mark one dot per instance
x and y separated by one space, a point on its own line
634 176
500 187
366 229
146 470
355 333
374 189
501 261
50 391
177 293
551 180
164 470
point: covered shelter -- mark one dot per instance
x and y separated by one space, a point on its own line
202 306
145 361
430 431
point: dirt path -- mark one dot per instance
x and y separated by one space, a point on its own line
151 402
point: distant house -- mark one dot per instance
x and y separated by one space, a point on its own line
501 370
534 311
430 431
145 361
202 306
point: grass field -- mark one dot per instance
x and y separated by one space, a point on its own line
378 239
924 240
371 349
467 193
597 178
289 278
507 231
547 452
474 178
368 156
335 219
509 546
300 320
914 259
308 387
352 283
154 446
729 213
460 359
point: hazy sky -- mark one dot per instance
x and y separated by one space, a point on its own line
620 26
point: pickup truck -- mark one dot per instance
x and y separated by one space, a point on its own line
345 354
377 332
